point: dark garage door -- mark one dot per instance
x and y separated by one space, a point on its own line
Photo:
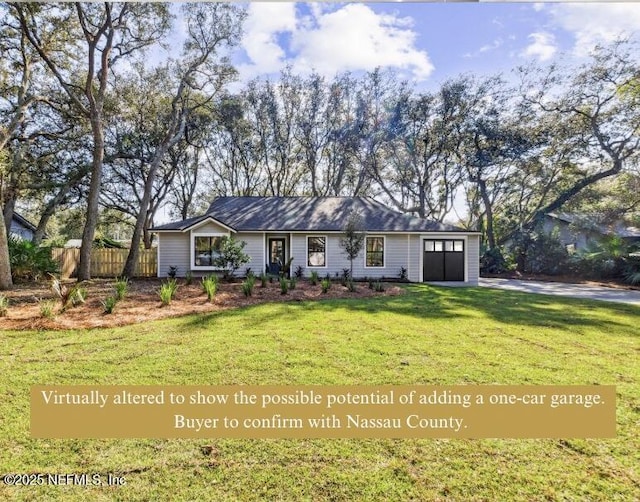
443 260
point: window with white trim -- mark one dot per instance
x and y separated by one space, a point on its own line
316 251
374 247
206 249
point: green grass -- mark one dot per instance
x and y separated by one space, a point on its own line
428 336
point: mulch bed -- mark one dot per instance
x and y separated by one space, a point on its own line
142 302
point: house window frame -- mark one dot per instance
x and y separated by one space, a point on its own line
193 249
326 247
384 252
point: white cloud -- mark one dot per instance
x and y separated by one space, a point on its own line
595 23
542 47
331 40
265 21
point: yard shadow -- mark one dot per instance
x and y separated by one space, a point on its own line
440 302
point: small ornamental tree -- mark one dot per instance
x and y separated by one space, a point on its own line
353 238
231 256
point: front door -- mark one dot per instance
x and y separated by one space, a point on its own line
277 254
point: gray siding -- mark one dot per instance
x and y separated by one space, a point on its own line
173 250
255 250
415 258
396 256
210 227
401 250
473 259
19 230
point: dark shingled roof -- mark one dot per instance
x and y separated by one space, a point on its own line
317 214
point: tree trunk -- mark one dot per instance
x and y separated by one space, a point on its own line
5 265
8 210
84 266
488 211
134 250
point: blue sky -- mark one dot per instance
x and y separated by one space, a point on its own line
425 42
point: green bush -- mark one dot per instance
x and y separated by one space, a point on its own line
121 286
247 286
28 261
4 305
188 278
109 304
168 291
231 257
314 278
609 258
325 284
263 280
284 286
351 286
68 296
540 253
210 286
492 262
378 287
292 283
47 308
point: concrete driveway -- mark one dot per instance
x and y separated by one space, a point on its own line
562 289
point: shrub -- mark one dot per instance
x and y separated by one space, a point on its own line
47 308
292 283
263 280
371 283
284 286
121 286
299 272
492 262
540 253
78 296
188 278
231 256
378 287
109 304
313 278
346 276
286 268
168 291
325 284
173 271
28 261
610 257
249 273
4 305
404 274
68 296
247 286
210 286
351 286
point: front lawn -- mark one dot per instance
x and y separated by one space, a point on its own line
428 336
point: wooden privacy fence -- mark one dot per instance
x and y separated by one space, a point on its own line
106 262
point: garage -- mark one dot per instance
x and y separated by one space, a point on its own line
443 260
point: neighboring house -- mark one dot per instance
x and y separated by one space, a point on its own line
308 229
21 227
578 232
